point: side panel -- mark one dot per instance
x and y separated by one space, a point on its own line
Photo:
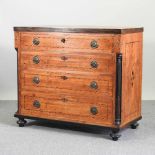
131 48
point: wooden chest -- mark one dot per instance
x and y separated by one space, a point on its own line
88 76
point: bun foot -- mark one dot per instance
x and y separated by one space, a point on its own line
115 134
134 125
21 122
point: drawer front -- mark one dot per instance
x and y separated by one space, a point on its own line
35 42
69 60
69 80
45 41
39 104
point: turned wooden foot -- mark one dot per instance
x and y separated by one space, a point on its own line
134 125
115 134
21 122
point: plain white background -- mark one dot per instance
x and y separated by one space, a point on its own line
71 12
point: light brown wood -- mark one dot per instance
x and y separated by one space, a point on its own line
65 74
72 41
72 110
74 81
74 60
132 77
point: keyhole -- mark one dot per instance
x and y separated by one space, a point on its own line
63 40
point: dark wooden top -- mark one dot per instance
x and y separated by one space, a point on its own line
111 30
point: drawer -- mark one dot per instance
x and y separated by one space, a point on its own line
37 102
35 42
34 60
45 41
85 81
69 60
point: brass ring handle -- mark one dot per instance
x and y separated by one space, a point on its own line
36 80
36 104
94 44
93 85
36 59
93 110
94 64
36 41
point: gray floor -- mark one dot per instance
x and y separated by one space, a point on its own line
39 138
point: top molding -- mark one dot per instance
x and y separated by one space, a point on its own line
108 30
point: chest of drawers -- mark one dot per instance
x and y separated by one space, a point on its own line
88 76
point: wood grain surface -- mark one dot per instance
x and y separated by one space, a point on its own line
65 74
72 41
132 77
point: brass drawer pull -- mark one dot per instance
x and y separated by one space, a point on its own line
64 58
36 41
36 104
64 77
94 64
93 85
93 110
36 80
94 44
36 59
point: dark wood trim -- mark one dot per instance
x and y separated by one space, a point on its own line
80 30
17 78
57 121
73 123
118 89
